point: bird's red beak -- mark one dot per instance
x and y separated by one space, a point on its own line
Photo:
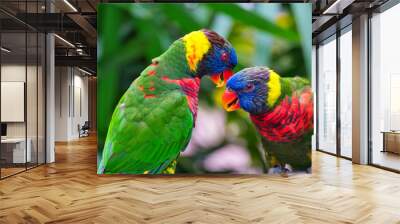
221 78
230 101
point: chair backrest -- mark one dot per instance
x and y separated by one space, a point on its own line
86 124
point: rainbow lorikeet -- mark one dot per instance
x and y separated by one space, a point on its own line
152 122
282 111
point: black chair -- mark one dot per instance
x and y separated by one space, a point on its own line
84 130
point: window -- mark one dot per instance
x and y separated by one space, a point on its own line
385 89
346 93
327 96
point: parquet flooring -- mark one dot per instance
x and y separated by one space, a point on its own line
11 170
69 191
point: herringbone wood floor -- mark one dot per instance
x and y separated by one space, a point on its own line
69 191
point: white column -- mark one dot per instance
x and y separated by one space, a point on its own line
360 90
50 92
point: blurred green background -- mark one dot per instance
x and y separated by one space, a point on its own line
270 34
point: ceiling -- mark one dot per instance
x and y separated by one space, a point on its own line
328 15
75 21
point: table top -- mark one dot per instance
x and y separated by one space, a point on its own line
13 140
391 132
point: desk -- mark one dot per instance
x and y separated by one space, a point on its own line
17 150
391 141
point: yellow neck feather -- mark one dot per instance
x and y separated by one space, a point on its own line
274 88
196 45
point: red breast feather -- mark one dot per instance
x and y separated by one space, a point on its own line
190 87
289 120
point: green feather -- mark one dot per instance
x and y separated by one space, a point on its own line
290 85
146 133
296 153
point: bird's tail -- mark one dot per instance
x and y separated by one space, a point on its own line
167 167
101 168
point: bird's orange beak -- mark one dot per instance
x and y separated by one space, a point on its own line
230 101
221 78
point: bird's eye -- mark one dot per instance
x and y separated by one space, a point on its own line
249 87
224 56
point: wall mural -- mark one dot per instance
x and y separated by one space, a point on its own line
204 88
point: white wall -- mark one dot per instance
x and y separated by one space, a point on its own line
61 103
80 110
71 94
12 73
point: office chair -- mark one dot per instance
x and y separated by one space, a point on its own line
84 130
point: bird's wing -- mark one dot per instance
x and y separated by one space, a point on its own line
145 132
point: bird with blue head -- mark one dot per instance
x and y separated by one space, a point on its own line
282 111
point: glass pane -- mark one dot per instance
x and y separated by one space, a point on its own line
327 97
13 86
31 87
386 89
346 94
31 98
22 89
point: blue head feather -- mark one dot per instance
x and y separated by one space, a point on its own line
214 62
250 85
220 57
